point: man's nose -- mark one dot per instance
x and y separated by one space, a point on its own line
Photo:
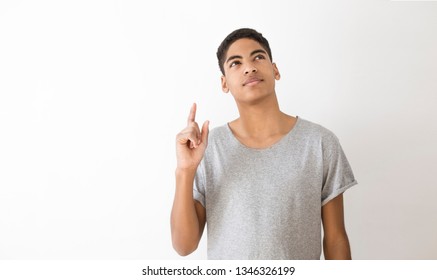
250 69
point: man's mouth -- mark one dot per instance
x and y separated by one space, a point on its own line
252 81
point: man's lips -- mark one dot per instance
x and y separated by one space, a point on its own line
252 81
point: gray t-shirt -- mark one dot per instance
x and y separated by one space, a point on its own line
266 203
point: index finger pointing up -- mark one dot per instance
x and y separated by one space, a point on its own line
192 115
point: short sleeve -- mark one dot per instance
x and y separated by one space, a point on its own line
199 184
337 172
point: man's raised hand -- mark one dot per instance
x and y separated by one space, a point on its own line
191 142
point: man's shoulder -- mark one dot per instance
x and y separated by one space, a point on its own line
313 129
219 136
219 131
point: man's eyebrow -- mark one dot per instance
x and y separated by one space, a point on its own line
233 57
251 54
258 51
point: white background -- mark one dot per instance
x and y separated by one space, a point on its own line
92 94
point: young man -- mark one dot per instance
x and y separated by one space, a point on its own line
264 182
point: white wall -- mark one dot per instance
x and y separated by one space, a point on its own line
92 94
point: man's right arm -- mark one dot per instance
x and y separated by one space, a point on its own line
188 216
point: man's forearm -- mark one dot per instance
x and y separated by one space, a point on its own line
184 221
337 250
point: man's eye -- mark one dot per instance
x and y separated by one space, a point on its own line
233 63
260 56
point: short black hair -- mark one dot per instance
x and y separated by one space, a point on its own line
236 35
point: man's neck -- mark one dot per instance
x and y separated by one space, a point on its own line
261 121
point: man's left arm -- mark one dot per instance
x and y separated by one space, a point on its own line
335 241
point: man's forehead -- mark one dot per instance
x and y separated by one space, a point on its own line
243 46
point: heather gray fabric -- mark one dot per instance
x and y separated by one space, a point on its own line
266 203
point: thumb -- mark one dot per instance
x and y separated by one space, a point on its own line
205 132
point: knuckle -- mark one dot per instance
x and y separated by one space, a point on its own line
193 135
180 135
194 125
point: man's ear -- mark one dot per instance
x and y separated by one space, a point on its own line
225 88
276 72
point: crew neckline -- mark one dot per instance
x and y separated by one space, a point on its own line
272 146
